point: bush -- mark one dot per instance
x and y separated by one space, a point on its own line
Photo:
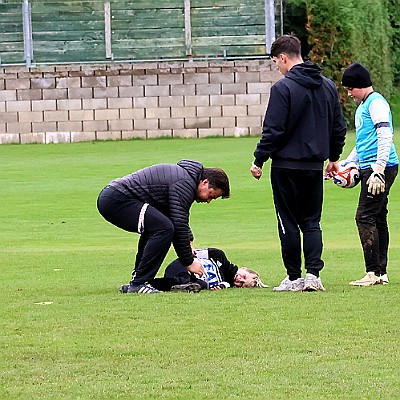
394 12
341 32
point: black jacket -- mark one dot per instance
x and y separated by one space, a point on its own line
226 270
171 189
303 124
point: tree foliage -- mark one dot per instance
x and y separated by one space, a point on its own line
394 13
340 32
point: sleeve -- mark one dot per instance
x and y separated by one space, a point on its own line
181 197
273 134
353 156
228 270
339 129
380 115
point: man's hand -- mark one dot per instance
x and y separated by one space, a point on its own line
256 171
196 268
376 181
332 168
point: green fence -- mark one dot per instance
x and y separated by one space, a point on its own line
33 31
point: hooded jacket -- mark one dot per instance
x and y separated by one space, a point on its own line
171 189
303 125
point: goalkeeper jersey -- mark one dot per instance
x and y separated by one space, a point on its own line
372 114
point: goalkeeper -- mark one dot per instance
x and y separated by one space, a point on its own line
378 160
219 273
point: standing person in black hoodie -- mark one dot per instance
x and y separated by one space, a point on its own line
155 202
303 127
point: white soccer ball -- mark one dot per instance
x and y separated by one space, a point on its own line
348 175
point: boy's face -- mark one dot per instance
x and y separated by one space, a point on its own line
205 194
243 278
356 94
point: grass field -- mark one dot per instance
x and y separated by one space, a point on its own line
91 342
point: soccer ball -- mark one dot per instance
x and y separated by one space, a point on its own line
348 175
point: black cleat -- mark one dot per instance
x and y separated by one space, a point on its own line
187 287
124 288
144 288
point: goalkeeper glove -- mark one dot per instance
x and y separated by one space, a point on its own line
376 181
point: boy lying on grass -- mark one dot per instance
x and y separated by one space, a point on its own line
220 273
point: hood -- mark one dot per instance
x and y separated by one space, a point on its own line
306 74
194 169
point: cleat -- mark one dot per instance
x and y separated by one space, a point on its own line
144 288
124 288
187 287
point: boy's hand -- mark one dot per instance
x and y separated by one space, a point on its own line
376 181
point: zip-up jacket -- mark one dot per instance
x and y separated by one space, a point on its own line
171 189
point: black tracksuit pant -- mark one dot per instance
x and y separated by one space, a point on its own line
156 230
298 196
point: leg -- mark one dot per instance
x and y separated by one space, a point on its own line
175 269
310 211
156 235
154 244
371 219
369 207
383 230
162 284
383 239
285 198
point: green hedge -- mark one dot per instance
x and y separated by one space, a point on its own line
394 13
340 32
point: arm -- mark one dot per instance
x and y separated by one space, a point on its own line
273 134
353 156
181 197
339 130
332 168
380 116
227 269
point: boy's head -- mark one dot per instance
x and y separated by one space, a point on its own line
356 76
247 278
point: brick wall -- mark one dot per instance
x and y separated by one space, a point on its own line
74 103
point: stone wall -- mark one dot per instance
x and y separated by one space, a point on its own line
72 103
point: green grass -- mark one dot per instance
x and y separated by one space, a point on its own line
94 343
395 107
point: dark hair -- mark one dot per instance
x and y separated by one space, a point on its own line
217 179
288 44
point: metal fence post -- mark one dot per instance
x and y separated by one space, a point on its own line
27 26
107 29
269 24
188 29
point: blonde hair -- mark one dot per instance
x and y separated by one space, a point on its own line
256 281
